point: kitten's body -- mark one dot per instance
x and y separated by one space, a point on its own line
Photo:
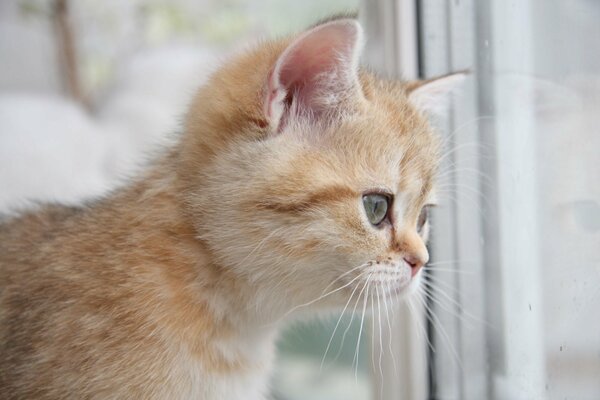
172 287
90 303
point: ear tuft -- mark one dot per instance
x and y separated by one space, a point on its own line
314 73
431 95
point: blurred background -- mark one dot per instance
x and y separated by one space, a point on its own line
88 89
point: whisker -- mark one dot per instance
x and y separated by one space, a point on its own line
372 331
433 281
478 194
454 133
462 146
455 200
450 270
471 195
443 262
322 296
349 324
341 276
416 317
390 330
357 353
439 326
436 302
458 170
336 326
380 335
431 290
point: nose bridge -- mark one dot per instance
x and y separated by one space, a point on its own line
410 245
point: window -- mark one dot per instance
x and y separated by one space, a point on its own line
512 310
514 275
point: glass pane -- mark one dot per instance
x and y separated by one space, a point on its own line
523 175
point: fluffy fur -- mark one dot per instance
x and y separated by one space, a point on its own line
173 287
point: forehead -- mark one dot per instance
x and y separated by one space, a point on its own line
388 144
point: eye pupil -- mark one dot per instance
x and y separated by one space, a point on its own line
376 207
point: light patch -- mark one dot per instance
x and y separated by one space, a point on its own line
432 197
399 207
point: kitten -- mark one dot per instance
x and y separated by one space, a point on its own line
299 181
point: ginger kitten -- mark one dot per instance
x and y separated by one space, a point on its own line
297 174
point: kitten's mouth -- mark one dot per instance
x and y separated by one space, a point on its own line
385 281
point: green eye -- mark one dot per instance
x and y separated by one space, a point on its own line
376 207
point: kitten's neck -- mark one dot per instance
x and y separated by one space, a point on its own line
158 204
190 296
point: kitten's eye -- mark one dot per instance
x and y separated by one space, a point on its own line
376 207
423 216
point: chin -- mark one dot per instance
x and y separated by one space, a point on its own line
410 289
414 285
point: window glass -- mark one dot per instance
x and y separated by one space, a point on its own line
513 317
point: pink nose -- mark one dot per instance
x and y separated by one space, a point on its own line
414 263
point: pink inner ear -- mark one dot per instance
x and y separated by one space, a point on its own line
314 72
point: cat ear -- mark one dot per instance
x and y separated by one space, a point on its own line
431 95
314 73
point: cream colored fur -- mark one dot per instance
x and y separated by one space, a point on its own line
174 287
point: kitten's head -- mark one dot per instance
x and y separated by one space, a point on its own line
307 174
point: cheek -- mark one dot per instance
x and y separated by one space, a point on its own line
363 241
347 235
